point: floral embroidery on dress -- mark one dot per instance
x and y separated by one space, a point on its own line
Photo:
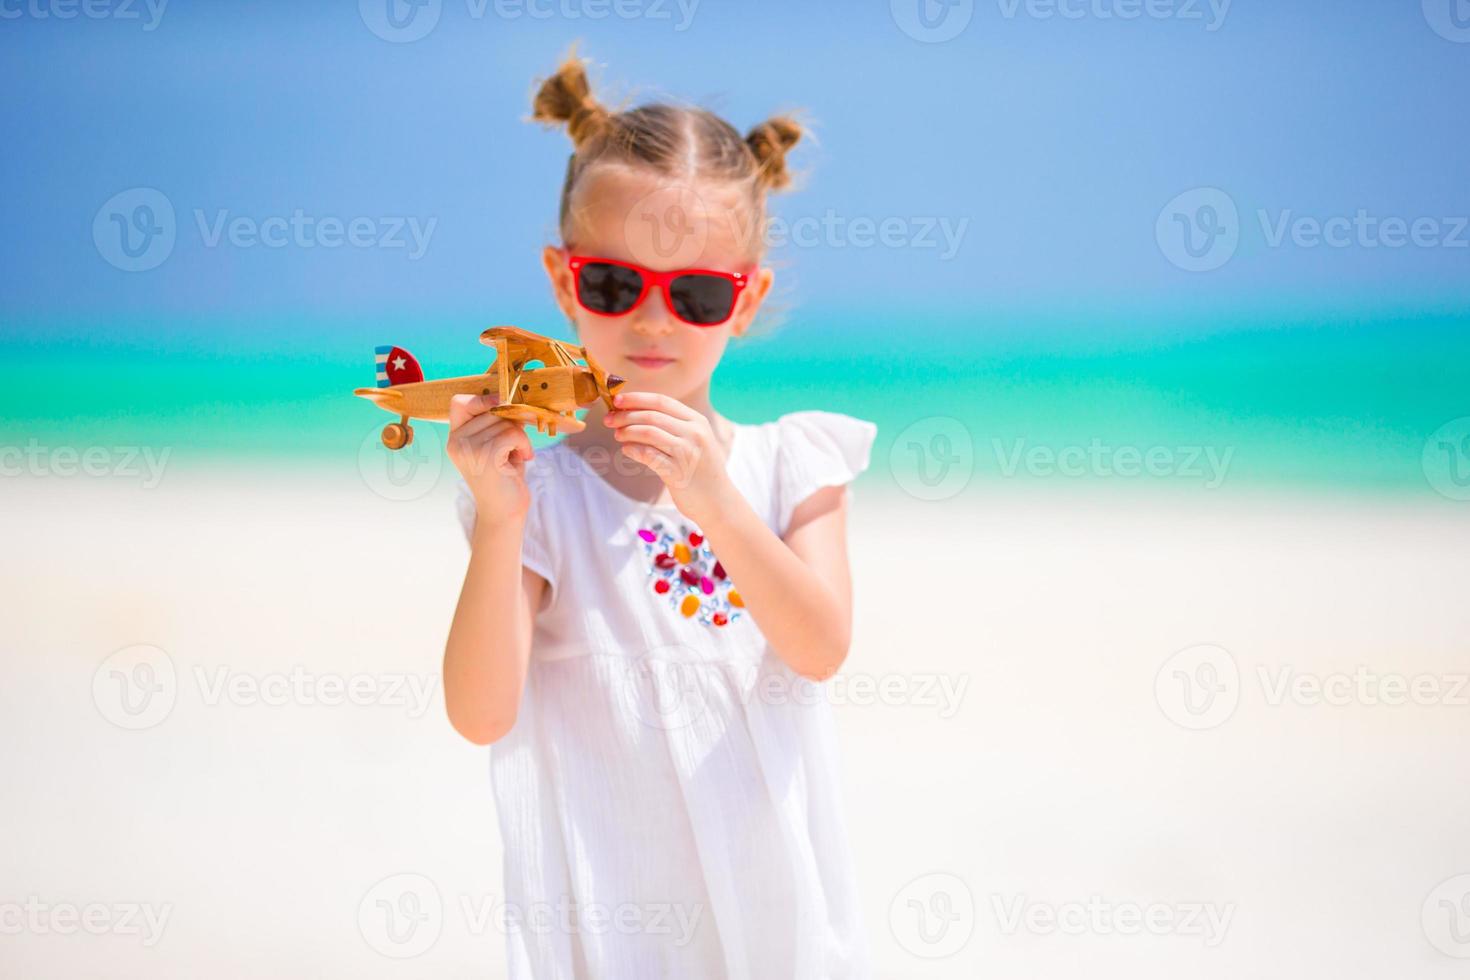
684 569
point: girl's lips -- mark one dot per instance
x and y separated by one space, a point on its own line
650 362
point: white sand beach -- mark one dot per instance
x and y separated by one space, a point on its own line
1035 789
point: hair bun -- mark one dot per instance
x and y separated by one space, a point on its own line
770 141
566 97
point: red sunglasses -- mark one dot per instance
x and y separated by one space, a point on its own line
700 297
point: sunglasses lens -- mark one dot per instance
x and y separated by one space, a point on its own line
608 289
706 300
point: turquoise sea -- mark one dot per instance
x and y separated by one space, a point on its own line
1324 400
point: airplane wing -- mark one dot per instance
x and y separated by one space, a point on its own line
523 346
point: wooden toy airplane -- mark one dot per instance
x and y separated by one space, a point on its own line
547 395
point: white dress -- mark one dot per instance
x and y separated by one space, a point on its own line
669 797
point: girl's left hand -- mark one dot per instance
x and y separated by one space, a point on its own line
677 443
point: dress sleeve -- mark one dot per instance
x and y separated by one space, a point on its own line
815 450
537 548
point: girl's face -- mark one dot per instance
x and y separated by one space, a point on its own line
624 214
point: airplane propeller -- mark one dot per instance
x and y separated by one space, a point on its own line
605 382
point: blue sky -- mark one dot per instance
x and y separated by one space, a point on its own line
1046 137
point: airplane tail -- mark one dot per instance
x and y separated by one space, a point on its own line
397 366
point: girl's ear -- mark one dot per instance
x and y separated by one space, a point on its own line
562 286
751 299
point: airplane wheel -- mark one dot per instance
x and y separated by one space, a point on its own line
396 436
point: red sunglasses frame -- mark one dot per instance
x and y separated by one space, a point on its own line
653 278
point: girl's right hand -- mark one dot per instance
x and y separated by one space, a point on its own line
490 452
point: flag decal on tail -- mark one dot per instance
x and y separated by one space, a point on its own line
397 366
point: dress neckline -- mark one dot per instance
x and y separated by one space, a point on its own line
736 439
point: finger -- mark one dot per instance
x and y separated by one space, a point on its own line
651 435
480 425
648 416
504 449
465 407
655 400
511 450
660 462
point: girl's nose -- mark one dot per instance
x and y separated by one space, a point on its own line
654 317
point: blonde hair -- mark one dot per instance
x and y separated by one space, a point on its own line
676 141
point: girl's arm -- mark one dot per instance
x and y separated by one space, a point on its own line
489 645
489 641
798 590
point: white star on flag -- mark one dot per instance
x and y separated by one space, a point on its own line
398 363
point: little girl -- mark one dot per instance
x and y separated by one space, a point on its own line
651 603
